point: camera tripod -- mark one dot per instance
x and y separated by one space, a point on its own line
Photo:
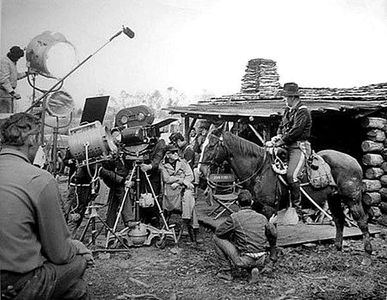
140 234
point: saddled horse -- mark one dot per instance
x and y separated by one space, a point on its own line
253 167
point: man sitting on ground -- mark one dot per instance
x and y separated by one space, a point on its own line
241 240
38 259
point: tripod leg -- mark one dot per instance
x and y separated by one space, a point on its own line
93 236
112 232
85 230
97 234
157 202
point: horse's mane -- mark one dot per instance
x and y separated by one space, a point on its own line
242 146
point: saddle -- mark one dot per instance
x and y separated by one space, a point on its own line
316 171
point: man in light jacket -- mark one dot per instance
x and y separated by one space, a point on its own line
8 79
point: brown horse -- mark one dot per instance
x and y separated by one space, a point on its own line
252 165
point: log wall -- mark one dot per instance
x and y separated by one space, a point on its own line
374 162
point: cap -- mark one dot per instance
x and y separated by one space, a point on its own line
171 148
176 136
290 89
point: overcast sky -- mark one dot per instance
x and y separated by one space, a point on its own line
196 45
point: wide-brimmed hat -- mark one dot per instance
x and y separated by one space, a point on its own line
171 148
290 89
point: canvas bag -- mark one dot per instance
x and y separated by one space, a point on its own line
146 200
319 172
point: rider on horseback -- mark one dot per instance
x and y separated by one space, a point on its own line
294 132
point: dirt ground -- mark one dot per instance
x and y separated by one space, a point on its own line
312 271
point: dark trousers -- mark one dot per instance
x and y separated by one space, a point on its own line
49 281
79 198
6 105
116 196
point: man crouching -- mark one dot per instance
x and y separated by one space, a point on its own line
38 259
241 240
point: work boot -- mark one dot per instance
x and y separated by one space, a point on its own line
225 275
191 234
254 275
197 239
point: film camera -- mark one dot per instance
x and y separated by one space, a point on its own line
133 130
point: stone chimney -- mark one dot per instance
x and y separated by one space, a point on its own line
261 77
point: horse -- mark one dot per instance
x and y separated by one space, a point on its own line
252 165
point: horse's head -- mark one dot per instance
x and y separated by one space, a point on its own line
214 153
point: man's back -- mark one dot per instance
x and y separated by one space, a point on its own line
246 230
23 197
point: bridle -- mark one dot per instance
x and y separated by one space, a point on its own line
220 143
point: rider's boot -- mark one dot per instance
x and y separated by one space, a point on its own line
296 200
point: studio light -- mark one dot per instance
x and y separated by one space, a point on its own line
91 143
51 55
60 104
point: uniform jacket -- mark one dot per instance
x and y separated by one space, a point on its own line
296 124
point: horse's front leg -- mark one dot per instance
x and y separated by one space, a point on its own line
357 210
271 234
334 202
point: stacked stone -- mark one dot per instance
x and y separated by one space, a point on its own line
261 77
375 166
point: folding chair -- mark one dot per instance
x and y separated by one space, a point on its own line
224 191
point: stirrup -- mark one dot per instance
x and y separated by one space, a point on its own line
279 166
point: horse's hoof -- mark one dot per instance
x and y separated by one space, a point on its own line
339 247
366 261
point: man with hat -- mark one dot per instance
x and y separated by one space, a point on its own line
294 132
185 150
178 196
8 79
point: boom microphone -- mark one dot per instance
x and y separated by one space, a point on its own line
128 32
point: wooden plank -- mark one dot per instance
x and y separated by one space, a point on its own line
288 235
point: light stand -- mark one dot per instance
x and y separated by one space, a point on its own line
142 234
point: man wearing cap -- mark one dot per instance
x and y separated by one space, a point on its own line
185 150
294 132
178 196
8 79
38 259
